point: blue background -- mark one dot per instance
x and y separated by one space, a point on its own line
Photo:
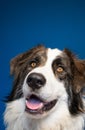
24 24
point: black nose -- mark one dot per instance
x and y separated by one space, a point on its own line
36 81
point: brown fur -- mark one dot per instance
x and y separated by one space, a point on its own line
78 79
17 62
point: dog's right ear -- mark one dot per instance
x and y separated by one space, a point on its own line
17 62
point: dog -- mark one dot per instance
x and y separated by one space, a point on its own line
47 91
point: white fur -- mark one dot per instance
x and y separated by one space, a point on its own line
58 118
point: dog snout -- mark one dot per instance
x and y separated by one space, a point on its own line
36 81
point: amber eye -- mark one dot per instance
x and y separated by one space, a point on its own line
33 64
60 69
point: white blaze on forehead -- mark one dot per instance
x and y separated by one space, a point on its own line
53 53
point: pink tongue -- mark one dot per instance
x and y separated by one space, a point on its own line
34 104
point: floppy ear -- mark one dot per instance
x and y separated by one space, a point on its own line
18 61
77 66
78 71
80 74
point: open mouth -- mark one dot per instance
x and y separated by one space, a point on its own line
36 105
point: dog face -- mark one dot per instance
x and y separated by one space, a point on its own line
48 80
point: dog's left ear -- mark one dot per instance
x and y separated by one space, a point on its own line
78 71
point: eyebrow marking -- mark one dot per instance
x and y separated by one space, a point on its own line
58 60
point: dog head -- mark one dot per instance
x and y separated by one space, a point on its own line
48 79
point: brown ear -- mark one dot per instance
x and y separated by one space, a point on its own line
80 74
78 71
17 62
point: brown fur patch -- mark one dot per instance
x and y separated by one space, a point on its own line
19 61
78 82
78 71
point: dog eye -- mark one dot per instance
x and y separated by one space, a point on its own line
33 64
60 69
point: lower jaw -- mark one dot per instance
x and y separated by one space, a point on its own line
34 112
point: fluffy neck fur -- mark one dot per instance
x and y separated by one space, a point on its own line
16 119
